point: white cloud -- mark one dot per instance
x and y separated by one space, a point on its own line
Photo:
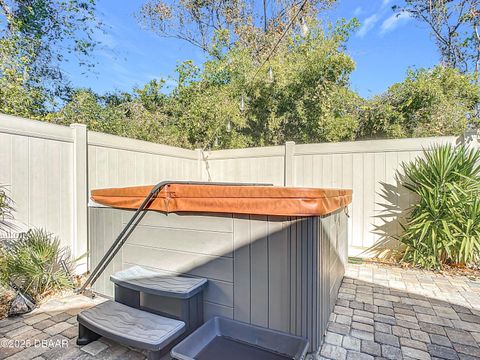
395 20
367 25
358 11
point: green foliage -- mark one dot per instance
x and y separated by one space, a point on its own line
18 96
435 102
301 93
18 99
308 99
36 37
444 225
205 103
36 263
140 115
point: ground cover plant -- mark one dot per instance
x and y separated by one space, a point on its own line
33 262
36 263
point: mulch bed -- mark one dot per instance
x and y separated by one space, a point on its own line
6 298
472 273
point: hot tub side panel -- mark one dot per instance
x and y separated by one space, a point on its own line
318 256
194 245
277 272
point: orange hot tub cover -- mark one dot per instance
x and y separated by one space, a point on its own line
255 200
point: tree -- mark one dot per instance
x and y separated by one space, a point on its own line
436 102
308 99
302 94
230 103
205 106
208 24
18 99
38 35
455 24
143 114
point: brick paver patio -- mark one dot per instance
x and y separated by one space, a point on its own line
382 313
392 313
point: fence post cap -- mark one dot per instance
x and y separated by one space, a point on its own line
77 125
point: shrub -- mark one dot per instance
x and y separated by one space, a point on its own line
444 225
36 263
429 102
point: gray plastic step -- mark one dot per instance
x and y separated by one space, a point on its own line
150 282
128 326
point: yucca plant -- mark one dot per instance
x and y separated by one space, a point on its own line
36 263
443 227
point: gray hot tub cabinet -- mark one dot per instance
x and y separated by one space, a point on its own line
282 273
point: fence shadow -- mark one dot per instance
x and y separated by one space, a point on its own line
387 224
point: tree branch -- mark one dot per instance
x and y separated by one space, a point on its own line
6 8
8 14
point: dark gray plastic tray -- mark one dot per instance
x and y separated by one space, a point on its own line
220 339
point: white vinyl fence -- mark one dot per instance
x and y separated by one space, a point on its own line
36 166
49 169
370 168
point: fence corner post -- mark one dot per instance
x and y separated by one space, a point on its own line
80 196
288 166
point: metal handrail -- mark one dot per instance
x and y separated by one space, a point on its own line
135 220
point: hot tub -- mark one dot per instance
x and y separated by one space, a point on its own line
273 256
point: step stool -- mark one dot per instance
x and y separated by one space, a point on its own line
176 297
150 311
128 326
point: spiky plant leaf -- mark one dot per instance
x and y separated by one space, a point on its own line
444 225
34 263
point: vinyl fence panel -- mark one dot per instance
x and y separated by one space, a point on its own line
50 169
36 170
371 168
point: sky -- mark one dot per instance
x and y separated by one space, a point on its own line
384 47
